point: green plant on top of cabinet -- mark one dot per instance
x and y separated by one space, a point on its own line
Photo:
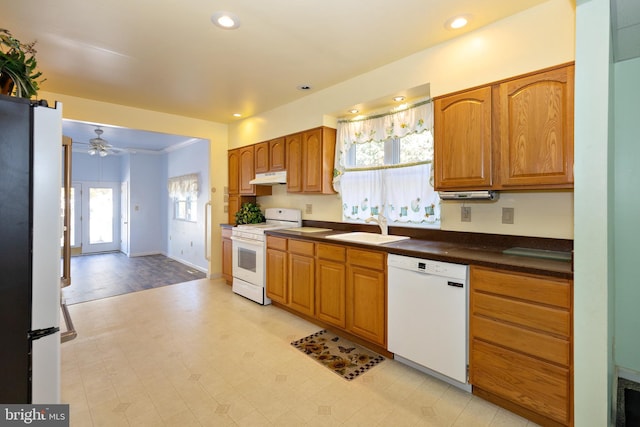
510 135
309 158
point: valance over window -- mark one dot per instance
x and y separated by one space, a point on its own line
396 125
383 166
184 185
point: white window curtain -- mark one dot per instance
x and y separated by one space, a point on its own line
416 119
183 186
404 193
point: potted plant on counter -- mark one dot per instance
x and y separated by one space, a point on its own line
18 65
249 213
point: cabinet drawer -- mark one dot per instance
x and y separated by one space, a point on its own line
530 383
545 290
524 340
332 252
540 317
278 243
376 260
301 248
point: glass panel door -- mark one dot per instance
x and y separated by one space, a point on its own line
101 220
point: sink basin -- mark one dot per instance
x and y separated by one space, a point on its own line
366 238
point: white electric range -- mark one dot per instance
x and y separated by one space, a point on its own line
249 245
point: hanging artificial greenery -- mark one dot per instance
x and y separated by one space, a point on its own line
18 67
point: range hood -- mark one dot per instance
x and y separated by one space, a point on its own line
468 195
270 178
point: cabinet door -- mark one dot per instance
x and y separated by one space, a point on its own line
536 130
462 140
538 386
227 262
277 154
261 157
331 292
233 159
312 161
301 283
277 276
366 297
246 170
294 163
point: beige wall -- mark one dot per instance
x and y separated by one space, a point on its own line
537 38
118 115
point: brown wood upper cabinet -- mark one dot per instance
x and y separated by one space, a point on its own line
514 134
240 163
269 156
241 171
309 159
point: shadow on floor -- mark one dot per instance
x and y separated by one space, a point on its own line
109 274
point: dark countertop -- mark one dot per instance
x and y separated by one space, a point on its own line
456 247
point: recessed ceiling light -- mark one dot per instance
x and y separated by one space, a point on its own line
354 111
457 22
225 20
398 98
237 115
304 87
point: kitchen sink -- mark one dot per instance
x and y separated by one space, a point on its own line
367 238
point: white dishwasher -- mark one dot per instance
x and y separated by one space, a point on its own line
427 316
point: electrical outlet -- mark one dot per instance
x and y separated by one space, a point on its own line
465 214
226 208
308 208
507 215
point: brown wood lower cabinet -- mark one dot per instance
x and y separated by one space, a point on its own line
336 285
367 295
521 343
302 276
227 255
277 270
331 284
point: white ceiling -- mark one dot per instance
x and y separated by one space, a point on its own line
165 55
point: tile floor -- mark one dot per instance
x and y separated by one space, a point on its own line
195 354
107 274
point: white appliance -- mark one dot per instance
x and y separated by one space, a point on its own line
270 178
427 316
249 245
31 228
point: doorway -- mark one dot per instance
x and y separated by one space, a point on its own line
94 224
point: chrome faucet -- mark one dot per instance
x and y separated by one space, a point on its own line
381 221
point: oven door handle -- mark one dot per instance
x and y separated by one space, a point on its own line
251 242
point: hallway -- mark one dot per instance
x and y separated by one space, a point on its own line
108 274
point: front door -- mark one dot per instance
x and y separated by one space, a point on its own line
101 224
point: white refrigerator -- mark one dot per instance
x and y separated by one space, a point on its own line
30 234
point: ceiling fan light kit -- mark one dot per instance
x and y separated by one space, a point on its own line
98 145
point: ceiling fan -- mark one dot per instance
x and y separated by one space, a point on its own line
98 145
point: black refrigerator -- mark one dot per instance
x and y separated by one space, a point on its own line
30 235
